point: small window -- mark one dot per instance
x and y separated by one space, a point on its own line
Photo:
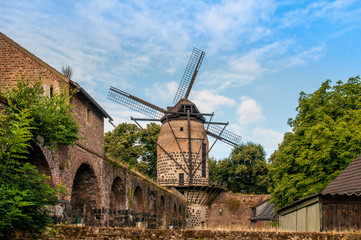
181 129
51 91
48 90
89 116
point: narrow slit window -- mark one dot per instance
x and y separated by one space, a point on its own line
181 129
204 157
89 116
51 91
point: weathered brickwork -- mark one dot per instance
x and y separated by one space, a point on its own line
233 210
177 145
17 62
92 125
198 215
101 192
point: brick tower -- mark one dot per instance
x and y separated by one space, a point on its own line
184 139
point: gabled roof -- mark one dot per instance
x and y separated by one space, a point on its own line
267 212
57 73
348 181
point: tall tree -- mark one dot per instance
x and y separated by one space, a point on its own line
325 138
129 144
245 170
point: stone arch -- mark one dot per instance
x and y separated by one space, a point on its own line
138 205
117 198
37 158
161 206
84 195
152 203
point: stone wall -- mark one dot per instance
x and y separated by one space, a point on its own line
235 210
90 233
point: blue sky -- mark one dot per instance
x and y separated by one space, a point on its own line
259 54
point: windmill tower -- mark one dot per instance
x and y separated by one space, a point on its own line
183 146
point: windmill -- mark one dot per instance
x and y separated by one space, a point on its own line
182 146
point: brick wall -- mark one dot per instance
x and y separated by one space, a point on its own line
233 217
91 125
16 62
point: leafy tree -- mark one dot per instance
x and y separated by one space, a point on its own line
325 138
149 155
24 191
130 144
245 170
51 116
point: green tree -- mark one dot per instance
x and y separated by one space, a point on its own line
24 192
245 170
130 144
51 116
149 155
325 138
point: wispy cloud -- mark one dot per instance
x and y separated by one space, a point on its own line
162 93
234 19
209 101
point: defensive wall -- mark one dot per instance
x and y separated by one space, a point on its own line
101 192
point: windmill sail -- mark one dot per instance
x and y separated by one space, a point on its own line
225 136
189 75
135 103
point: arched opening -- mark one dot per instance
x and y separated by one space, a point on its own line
117 199
161 206
37 158
138 206
84 196
117 202
152 203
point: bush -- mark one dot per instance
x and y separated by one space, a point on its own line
234 204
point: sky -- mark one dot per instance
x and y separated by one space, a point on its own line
259 54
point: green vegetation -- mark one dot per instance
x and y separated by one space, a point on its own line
325 138
234 204
28 116
129 144
245 170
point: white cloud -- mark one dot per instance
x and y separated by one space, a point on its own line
209 101
268 138
162 92
249 111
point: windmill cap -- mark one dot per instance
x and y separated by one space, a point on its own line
181 109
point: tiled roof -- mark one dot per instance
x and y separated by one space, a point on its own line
349 181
